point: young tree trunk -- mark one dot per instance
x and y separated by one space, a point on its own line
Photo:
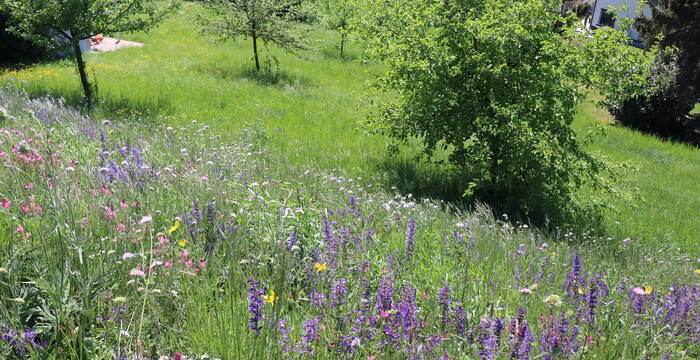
255 53
342 43
80 63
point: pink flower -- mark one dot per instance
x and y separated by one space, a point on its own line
105 190
24 208
121 226
128 255
168 264
130 282
526 291
20 229
109 213
544 246
164 240
184 254
384 314
137 273
29 186
3 155
5 204
203 264
37 209
174 292
84 221
123 204
638 291
146 219
203 178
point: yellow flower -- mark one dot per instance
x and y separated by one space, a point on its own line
119 299
174 227
581 291
648 289
182 243
270 299
319 267
697 272
19 300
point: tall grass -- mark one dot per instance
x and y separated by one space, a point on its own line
310 110
123 240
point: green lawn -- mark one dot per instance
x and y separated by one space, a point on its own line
311 114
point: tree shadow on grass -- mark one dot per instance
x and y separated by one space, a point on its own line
106 107
334 53
442 183
265 76
421 179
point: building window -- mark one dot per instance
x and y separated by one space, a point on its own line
607 18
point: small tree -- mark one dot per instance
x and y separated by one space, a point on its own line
56 21
270 21
336 15
496 83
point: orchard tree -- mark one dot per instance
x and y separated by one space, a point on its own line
336 15
53 22
270 21
496 83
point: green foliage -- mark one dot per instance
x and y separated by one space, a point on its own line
54 22
496 83
268 20
337 15
663 108
14 48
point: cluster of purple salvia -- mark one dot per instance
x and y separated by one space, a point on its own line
444 301
410 238
21 342
338 293
521 338
385 294
559 339
308 336
284 337
116 314
574 279
255 306
491 337
331 241
130 169
681 310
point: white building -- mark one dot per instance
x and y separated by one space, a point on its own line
602 13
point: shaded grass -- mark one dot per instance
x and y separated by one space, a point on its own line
311 110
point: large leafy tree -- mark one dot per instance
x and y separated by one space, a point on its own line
56 21
675 79
496 83
270 21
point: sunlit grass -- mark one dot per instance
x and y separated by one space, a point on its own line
311 110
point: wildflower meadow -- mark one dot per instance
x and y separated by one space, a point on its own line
131 239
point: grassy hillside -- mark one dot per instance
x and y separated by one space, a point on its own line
311 113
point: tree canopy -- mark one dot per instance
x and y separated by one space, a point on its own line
496 84
268 20
59 21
